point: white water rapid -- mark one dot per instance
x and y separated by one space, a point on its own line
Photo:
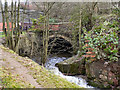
50 65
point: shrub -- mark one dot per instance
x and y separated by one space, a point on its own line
104 40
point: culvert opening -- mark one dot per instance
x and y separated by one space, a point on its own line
58 45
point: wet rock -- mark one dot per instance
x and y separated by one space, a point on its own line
95 83
72 66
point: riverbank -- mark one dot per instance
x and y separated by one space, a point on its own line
99 73
22 72
50 65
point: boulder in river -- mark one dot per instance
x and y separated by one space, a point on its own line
72 66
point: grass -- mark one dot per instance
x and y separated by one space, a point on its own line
2 35
7 50
44 78
12 81
4 59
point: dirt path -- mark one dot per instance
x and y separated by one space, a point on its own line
7 60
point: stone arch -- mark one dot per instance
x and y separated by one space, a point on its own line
60 43
62 36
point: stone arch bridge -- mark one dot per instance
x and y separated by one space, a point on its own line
61 36
59 40
61 30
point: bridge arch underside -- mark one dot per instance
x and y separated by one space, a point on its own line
59 45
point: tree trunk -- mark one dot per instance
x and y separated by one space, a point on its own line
18 28
45 33
13 44
8 29
43 39
15 30
3 21
80 46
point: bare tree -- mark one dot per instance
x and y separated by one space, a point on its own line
18 28
12 39
12 22
46 31
46 9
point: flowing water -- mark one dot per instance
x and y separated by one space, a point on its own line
50 65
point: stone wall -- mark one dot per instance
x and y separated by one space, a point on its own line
30 45
103 74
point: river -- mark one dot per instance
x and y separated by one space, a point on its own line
50 65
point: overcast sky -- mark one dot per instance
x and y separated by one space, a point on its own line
9 1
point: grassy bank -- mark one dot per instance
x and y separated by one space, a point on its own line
43 77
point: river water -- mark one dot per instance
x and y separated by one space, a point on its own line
50 65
